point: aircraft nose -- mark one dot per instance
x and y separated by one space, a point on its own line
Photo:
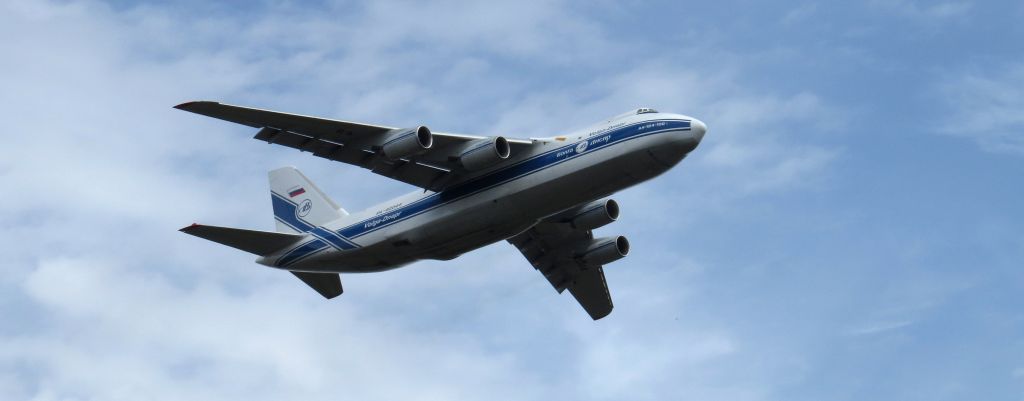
698 129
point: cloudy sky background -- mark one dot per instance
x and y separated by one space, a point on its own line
850 229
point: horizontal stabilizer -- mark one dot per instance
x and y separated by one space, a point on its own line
256 242
327 284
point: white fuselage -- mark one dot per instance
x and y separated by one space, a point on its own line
559 173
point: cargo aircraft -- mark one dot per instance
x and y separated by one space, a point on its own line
545 196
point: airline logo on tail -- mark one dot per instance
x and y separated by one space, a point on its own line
304 208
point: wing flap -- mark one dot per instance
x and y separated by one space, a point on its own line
293 140
411 171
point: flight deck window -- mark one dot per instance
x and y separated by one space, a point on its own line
645 111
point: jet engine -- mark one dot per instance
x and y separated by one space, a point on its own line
407 142
601 251
595 214
484 153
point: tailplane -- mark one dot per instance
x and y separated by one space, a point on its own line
299 206
260 243
264 243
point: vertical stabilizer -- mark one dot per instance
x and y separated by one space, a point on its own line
299 205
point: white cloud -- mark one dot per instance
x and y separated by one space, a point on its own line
124 334
105 171
931 11
769 142
799 13
880 327
986 107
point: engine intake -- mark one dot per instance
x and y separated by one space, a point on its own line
484 153
605 250
407 142
595 214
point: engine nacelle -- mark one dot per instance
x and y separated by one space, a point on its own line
407 142
605 250
484 153
595 214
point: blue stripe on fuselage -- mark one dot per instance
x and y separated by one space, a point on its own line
518 170
332 238
284 211
303 251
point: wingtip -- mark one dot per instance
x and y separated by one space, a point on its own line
189 227
184 106
600 316
188 105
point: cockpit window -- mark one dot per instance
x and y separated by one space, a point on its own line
632 113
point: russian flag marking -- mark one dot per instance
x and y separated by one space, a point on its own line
296 192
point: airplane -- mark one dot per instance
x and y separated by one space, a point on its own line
545 196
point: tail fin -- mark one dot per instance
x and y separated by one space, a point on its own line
299 205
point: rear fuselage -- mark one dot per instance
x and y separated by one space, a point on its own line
557 174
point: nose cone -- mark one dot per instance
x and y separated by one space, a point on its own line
698 129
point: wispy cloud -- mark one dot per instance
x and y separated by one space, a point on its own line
986 107
880 327
799 13
205 343
925 10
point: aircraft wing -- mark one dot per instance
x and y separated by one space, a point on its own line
353 143
549 246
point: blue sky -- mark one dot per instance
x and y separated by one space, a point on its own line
850 228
